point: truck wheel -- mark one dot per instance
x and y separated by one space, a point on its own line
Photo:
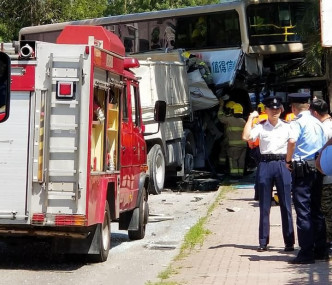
156 163
143 218
103 232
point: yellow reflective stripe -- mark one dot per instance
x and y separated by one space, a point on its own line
236 171
235 128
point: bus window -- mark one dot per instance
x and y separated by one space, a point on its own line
273 23
4 86
216 30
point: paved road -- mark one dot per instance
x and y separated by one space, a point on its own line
130 262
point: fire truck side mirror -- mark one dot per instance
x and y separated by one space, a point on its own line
4 86
160 111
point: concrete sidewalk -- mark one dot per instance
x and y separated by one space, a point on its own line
229 256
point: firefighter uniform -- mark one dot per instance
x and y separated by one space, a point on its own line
273 135
306 140
224 142
236 151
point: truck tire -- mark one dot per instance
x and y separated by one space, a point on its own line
104 237
143 218
156 163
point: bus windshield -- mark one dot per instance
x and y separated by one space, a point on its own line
273 23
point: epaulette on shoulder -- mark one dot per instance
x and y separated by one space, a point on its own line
262 122
284 121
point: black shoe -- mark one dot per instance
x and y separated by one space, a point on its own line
262 248
289 248
301 260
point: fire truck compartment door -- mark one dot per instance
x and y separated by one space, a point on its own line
13 158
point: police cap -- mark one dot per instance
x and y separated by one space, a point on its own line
299 97
272 102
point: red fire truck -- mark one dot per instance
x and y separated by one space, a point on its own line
72 152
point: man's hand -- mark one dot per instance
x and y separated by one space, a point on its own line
254 114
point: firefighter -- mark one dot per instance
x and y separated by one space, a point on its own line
198 35
224 111
236 150
194 63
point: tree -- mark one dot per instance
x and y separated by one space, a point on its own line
317 58
16 14
119 7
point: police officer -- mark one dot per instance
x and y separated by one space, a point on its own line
319 109
254 145
273 135
306 139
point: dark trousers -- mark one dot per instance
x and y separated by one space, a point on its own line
270 173
311 229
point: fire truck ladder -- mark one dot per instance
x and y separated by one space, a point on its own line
62 164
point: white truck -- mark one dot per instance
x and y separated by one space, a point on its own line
177 148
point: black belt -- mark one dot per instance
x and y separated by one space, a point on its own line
270 157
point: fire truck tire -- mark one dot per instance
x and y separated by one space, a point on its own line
143 218
104 240
156 163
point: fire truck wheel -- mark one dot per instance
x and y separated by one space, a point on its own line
143 218
104 237
156 163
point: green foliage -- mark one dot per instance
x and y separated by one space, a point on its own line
16 14
118 7
309 30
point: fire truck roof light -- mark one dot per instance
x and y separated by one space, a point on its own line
130 62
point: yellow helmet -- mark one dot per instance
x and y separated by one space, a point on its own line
237 109
261 107
230 104
186 54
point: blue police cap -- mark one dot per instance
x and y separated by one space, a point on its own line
299 97
272 102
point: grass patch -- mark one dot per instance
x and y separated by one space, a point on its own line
194 237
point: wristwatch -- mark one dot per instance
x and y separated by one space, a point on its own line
288 162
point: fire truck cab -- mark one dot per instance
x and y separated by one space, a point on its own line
73 156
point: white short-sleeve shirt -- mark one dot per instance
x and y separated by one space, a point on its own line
272 139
